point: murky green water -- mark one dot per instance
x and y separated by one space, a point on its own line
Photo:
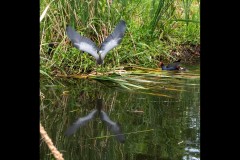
161 120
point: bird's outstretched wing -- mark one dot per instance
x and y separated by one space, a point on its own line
113 126
174 64
113 39
80 122
82 43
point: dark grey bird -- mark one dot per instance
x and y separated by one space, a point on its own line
172 66
114 127
81 122
87 45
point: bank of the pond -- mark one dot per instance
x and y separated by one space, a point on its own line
189 55
166 31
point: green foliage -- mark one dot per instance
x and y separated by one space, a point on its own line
154 29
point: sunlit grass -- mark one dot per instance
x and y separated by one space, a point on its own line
154 29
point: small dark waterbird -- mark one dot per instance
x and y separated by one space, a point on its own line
114 127
87 45
171 66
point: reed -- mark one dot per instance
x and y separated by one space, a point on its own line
154 29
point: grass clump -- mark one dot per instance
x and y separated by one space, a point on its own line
165 28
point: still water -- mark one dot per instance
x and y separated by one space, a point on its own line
157 114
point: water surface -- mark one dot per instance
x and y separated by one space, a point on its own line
159 116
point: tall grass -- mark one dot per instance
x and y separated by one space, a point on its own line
154 28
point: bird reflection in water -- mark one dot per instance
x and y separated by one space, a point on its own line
80 122
114 127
